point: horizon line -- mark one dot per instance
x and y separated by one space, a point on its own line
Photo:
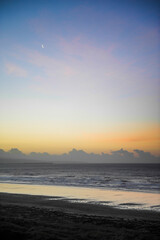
79 150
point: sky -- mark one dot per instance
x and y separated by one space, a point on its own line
80 74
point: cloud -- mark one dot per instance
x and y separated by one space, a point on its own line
114 72
145 156
88 68
13 153
82 67
2 153
80 156
56 74
123 154
77 47
13 69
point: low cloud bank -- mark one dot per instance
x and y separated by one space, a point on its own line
80 156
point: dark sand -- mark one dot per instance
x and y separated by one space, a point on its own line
36 217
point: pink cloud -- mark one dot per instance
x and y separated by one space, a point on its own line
84 67
56 74
77 47
52 67
69 71
13 69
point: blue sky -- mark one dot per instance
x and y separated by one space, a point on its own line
94 85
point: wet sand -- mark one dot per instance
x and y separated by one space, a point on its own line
121 199
37 217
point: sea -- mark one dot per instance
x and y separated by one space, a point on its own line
120 185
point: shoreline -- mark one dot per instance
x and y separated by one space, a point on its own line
36 217
112 198
81 186
63 204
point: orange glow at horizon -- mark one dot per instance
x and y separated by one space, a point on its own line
145 138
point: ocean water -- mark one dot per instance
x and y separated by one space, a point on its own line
131 186
121 177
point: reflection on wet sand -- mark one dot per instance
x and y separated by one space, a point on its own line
121 199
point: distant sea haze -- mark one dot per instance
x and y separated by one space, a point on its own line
80 156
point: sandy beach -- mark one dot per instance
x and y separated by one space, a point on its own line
38 217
